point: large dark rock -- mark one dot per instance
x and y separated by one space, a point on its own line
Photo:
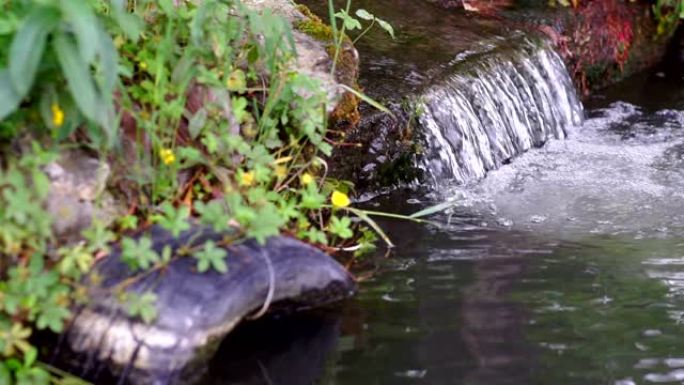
196 311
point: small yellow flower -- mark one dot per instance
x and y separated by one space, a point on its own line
167 156
247 178
57 115
119 41
280 171
340 199
142 65
307 179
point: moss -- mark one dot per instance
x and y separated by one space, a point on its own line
346 115
314 26
315 29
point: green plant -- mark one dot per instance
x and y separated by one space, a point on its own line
350 23
668 13
35 291
201 110
53 46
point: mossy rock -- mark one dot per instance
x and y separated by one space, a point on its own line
346 115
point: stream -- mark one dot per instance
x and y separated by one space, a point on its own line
564 265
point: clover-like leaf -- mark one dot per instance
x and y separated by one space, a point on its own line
138 254
211 257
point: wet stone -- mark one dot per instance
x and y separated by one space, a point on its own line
195 311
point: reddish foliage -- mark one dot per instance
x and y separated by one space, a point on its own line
601 40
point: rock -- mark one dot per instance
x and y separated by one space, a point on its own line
197 310
77 194
313 58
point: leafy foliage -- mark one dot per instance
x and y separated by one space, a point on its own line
200 107
668 14
60 54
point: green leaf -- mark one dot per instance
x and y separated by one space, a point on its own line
128 222
197 123
138 255
30 357
52 316
9 97
79 78
8 25
76 260
109 59
27 48
143 306
316 235
364 216
213 214
350 23
16 339
311 198
341 227
266 223
129 23
85 26
433 209
240 109
386 26
5 378
32 376
167 7
368 100
174 220
365 15
98 236
211 256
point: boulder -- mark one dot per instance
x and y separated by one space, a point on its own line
195 311
313 54
77 194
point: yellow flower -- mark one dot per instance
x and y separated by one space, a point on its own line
57 115
247 178
307 178
119 41
142 65
167 156
280 171
340 199
236 81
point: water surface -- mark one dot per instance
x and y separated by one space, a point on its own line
564 267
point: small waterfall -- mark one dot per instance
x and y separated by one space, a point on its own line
493 106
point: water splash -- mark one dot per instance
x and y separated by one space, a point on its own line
493 107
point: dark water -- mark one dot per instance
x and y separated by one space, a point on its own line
427 39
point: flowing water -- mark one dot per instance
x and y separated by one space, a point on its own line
493 107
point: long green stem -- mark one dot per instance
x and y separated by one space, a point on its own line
364 31
337 36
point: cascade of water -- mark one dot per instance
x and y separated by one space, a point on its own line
493 107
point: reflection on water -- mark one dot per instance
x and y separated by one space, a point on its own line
290 350
492 306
